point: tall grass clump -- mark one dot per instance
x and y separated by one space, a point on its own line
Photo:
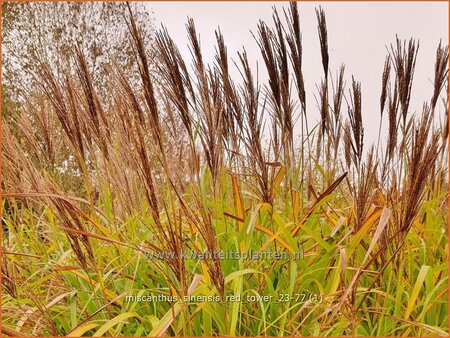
184 204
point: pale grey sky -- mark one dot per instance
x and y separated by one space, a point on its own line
358 33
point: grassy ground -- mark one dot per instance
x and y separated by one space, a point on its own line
130 214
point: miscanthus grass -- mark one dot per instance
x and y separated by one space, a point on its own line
135 213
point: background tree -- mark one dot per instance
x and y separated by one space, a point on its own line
48 32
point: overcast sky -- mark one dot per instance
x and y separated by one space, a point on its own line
358 33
